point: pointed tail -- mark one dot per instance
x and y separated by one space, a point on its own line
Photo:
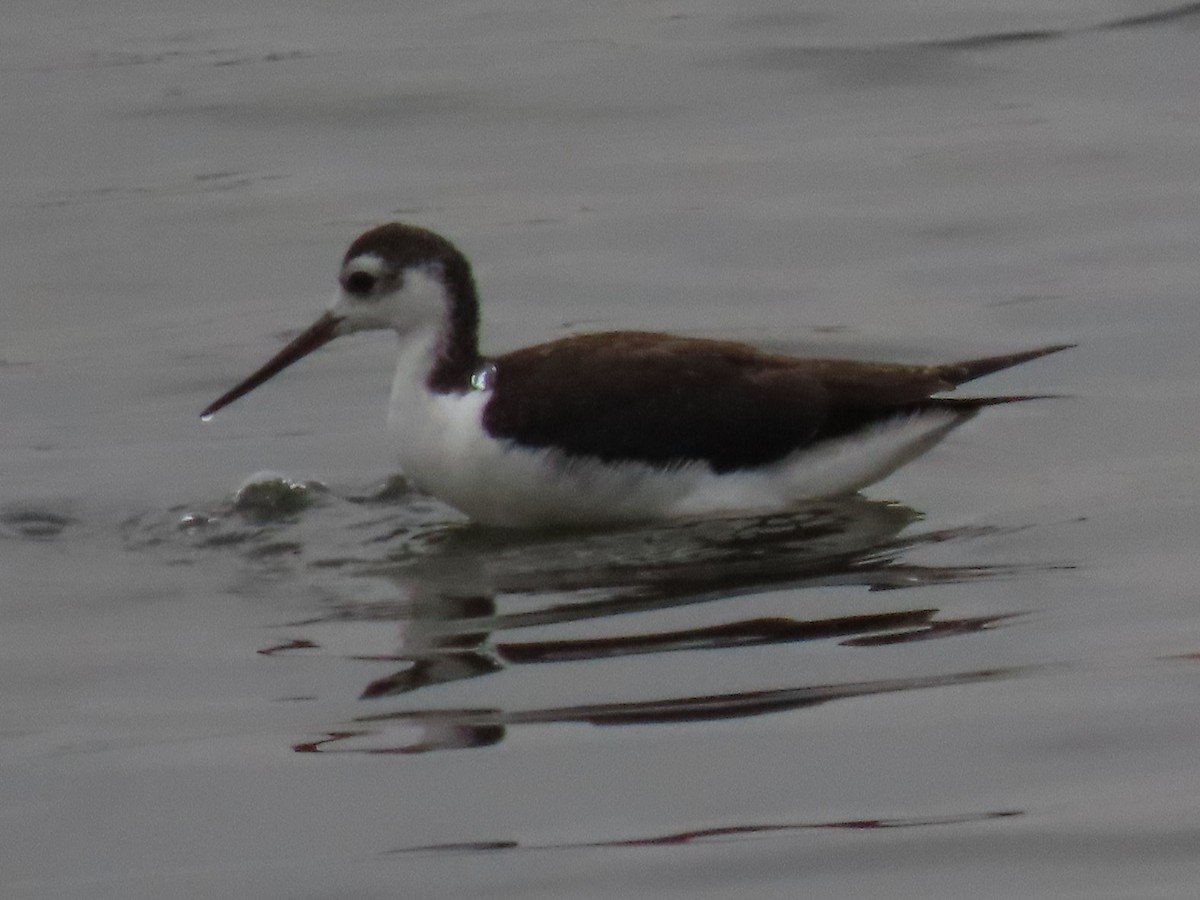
970 369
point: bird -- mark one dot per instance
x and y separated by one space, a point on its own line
606 428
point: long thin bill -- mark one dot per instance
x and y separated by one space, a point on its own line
320 333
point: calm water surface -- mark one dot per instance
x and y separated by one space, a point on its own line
979 680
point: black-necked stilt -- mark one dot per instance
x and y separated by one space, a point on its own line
623 425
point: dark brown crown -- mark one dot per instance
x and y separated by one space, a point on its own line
402 247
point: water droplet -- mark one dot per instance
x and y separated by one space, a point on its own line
484 378
194 520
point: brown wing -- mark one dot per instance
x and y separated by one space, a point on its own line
665 400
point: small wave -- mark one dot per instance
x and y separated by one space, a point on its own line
31 523
272 497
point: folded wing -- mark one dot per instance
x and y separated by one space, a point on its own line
667 401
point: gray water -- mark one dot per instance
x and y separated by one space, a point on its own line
979 680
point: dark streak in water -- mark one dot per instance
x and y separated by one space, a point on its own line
274 57
1162 17
927 61
901 627
724 832
457 729
299 644
931 631
455 656
1037 35
997 39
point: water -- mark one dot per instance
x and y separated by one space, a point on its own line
978 680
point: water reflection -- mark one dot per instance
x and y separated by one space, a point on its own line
423 730
454 608
723 833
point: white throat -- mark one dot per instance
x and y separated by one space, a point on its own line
419 349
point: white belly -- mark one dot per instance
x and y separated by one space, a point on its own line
445 452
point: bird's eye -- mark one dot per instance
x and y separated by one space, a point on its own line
359 283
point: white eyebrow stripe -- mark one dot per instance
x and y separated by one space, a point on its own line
369 263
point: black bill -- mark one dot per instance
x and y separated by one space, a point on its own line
320 333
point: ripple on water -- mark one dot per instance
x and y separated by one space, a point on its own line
476 603
272 516
421 633
271 497
413 596
32 523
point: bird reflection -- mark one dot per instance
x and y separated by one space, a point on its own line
455 605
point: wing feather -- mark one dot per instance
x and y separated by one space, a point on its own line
667 400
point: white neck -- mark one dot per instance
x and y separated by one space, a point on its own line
418 351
